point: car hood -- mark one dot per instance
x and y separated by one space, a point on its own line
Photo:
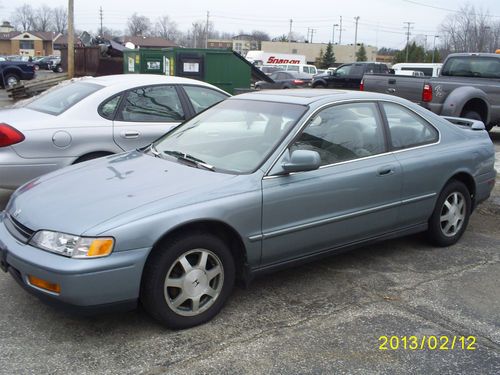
75 199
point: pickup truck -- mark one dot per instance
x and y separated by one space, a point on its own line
12 72
467 86
348 76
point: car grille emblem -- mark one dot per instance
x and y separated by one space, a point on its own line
16 213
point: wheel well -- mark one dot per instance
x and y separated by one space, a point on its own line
92 155
478 106
219 229
468 181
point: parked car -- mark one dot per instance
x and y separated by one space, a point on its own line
428 69
468 86
44 63
12 72
269 69
94 117
285 80
257 182
348 76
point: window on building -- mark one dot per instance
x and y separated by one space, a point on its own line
27 44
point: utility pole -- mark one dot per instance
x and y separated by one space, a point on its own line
356 36
100 16
290 37
71 40
312 34
408 39
206 31
434 47
340 33
333 32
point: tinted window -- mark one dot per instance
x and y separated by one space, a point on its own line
152 104
407 129
358 70
466 66
63 98
108 108
203 97
344 132
343 70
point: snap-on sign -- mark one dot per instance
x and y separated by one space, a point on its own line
274 60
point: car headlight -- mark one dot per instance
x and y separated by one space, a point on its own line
73 246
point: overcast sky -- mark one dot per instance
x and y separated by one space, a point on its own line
381 22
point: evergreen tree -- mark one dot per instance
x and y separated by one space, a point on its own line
361 54
328 58
415 54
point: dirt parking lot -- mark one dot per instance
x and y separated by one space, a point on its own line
327 317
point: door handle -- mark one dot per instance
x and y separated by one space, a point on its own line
390 91
386 170
130 134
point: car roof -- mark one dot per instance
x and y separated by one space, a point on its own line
130 80
309 96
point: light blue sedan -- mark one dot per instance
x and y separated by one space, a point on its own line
257 182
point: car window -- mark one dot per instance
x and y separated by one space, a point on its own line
63 98
203 97
152 104
467 66
343 132
108 107
343 70
293 68
407 129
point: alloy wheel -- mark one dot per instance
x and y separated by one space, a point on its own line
453 214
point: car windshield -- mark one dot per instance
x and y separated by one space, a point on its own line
235 136
63 98
466 66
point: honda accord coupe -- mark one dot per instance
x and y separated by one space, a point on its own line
257 182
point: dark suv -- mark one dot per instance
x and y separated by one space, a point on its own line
348 76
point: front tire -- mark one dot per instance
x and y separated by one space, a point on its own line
187 281
451 214
11 80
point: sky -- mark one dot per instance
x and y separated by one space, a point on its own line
382 23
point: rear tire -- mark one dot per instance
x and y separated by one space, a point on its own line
187 280
451 214
319 86
473 115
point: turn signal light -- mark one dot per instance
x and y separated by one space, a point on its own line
9 136
298 82
427 93
44 284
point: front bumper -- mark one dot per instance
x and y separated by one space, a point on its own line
86 284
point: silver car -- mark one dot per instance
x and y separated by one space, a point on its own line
257 182
95 117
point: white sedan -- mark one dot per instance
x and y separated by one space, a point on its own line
95 117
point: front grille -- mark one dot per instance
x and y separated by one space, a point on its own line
18 231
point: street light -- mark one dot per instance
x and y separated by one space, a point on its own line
333 33
434 47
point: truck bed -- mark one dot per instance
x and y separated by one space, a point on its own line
407 87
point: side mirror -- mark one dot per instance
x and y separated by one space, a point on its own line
301 161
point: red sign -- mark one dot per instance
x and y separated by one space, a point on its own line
274 60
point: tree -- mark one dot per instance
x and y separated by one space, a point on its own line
23 17
469 30
281 38
43 18
361 53
166 28
60 20
328 57
139 25
415 54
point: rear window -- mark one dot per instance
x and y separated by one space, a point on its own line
63 98
472 66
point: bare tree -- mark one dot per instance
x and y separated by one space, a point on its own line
23 17
139 25
166 28
198 33
468 30
60 19
43 18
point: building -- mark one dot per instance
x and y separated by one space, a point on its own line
220 43
137 42
312 51
244 43
27 43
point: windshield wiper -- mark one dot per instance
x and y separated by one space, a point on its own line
189 158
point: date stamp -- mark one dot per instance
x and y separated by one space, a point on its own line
427 342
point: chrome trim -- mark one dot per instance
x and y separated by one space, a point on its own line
333 219
306 122
417 199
